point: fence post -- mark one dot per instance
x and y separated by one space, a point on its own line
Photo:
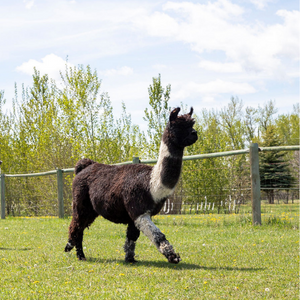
135 160
255 184
60 193
2 187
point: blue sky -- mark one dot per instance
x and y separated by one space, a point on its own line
207 50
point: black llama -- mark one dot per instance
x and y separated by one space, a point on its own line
131 194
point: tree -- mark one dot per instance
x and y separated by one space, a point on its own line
265 116
207 178
274 169
5 137
130 138
233 126
36 127
80 105
288 127
231 121
250 124
157 116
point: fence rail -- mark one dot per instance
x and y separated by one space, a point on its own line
253 151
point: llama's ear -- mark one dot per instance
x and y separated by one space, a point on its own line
174 113
191 111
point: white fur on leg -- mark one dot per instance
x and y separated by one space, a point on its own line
144 224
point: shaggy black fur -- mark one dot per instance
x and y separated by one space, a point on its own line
131 194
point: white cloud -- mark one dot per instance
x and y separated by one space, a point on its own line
221 87
28 3
220 9
157 24
208 99
219 26
220 67
51 65
260 4
124 71
159 67
209 90
207 50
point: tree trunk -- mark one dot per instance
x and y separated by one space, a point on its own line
270 195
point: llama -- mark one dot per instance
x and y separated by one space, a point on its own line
131 194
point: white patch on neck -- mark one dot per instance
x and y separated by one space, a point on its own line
157 189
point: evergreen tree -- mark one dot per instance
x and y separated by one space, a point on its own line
274 169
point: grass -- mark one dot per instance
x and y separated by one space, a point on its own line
223 257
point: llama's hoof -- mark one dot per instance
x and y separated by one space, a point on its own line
130 260
174 258
80 254
68 247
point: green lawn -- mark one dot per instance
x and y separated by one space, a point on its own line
223 257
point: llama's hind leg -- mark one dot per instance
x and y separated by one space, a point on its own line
132 235
77 226
71 241
144 224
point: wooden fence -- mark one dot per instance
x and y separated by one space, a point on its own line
254 173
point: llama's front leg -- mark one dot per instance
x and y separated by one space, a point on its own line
144 224
131 237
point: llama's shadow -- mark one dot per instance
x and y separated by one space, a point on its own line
165 264
14 249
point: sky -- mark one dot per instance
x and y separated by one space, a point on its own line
208 51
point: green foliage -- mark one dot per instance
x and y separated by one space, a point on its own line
5 136
158 116
219 179
53 125
79 104
288 127
231 122
206 178
265 115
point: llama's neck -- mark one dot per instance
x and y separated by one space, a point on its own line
165 174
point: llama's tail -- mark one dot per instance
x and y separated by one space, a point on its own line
82 164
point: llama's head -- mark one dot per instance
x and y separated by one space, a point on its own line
180 131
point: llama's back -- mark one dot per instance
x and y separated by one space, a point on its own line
82 164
